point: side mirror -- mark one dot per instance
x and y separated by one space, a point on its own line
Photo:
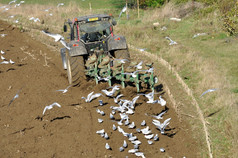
65 28
114 22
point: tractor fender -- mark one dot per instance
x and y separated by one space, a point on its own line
116 42
77 48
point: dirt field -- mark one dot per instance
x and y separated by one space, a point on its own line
70 131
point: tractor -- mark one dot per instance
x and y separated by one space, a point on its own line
96 52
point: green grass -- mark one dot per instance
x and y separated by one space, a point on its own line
96 4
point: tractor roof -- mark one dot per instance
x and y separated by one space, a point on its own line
90 18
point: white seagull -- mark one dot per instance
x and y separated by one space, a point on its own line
2 52
207 91
159 116
122 11
117 97
2 57
58 38
60 4
146 130
161 126
110 93
139 66
14 1
51 106
91 96
161 101
11 62
16 96
107 146
64 90
171 41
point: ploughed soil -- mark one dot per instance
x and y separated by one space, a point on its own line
70 131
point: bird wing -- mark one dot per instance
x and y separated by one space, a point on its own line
46 108
89 95
209 90
62 41
95 96
105 91
57 37
166 122
56 104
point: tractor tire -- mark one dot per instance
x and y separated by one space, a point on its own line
122 54
75 69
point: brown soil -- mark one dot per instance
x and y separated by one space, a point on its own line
69 131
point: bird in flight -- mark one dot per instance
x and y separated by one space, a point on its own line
64 90
51 106
171 41
58 38
91 96
207 91
161 126
16 96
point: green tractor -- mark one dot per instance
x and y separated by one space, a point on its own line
96 52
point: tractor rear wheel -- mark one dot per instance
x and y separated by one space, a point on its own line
75 69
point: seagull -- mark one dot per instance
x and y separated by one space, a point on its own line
35 19
150 97
125 144
64 90
149 136
132 125
100 132
146 130
111 117
11 62
156 137
133 74
60 4
102 113
123 61
199 34
122 11
150 142
16 21
132 138
159 116
136 142
142 49
12 16
2 57
114 127
108 147
105 79
106 136
162 126
162 101
17 5
91 96
58 38
139 66
16 96
121 149
14 1
175 19
171 41
140 154
4 62
100 102
209 90
3 35
132 151
143 123
2 52
110 93
162 150
117 97
51 106
100 120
